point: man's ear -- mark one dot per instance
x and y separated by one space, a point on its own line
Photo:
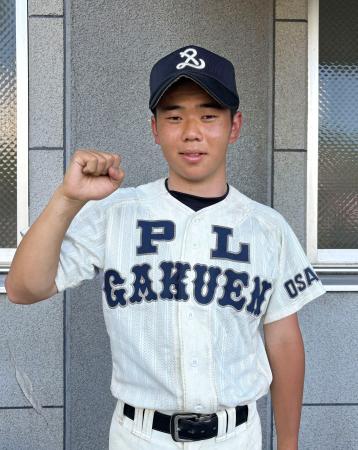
235 127
155 129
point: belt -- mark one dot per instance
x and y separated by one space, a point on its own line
185 427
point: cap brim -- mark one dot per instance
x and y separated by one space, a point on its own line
215 89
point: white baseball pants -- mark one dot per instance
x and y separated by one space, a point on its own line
137 434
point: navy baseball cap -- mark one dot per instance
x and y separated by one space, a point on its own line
212 72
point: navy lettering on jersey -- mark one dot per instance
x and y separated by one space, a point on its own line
310 275
142 284
221 250
291 288
235 282
297 284
258 296
111 286
204 286
148 234
301 285
199 283
175 279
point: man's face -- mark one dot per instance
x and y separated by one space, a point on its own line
194 132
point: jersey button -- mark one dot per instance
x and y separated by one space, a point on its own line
198 407
190 315
194 362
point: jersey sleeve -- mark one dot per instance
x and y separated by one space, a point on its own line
83 247
296 283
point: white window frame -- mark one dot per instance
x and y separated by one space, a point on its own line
324 260
7 254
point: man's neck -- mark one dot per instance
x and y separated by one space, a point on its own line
210 189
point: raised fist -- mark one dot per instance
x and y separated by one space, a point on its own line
92 175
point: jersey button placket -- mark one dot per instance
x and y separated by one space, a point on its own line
195 330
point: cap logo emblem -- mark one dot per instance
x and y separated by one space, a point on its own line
190 61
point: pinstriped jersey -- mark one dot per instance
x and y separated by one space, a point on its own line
184 292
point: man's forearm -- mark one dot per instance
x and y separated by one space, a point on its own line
35 263
287 392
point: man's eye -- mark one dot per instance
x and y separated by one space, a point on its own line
174 118
209 117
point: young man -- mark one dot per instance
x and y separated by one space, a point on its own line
190 267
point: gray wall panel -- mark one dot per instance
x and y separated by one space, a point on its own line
48 7
290 85
45 82
263 408
34 335
24 429
328 427
45 175
289 189
291 9
329 328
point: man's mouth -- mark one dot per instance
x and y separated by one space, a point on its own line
193 156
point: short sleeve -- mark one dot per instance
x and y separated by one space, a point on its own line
83 247
296 283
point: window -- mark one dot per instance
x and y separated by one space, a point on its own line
332 139
13 127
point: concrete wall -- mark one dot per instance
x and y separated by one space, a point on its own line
32 337
329 414
89 65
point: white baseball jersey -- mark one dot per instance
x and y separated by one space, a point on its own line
183 292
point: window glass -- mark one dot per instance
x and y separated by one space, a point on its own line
8 172
338 125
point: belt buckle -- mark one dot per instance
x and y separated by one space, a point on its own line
202 422
174 422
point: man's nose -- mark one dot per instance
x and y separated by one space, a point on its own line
191 131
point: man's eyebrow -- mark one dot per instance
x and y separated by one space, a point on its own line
173 107
211 105
170 107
